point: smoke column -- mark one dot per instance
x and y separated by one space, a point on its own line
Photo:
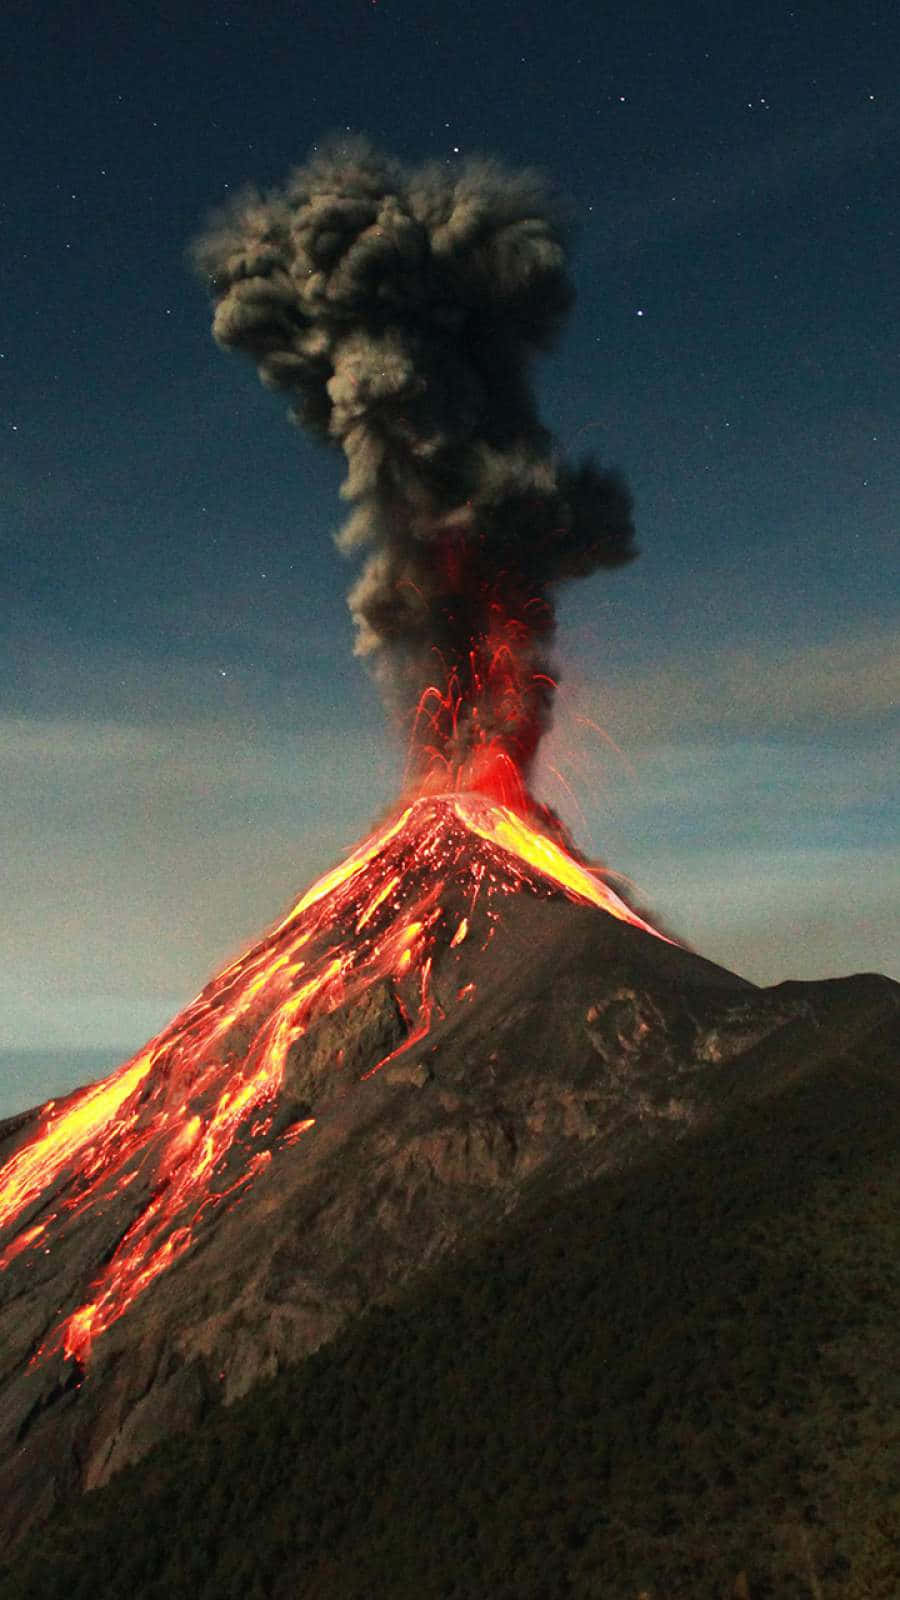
400 309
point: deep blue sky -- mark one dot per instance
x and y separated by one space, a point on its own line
185 737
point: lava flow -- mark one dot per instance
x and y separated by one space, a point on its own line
191 1121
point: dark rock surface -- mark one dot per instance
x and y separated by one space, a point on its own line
585 1047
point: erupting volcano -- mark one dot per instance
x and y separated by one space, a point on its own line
400 309
462 1018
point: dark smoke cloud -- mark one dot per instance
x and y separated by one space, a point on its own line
400 309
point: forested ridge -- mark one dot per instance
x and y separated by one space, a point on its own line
679 1381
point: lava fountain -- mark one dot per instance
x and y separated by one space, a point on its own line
400 310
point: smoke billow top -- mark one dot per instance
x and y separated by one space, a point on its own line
400 309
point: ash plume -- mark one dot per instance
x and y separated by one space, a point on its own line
400 309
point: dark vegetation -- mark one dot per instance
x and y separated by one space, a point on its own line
680 1382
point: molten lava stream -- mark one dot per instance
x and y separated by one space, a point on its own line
165 1228
65 1133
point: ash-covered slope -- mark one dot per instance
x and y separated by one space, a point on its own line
457 1013
676 1378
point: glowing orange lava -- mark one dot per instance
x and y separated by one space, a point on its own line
501 826
478 728
185 1127
65 1133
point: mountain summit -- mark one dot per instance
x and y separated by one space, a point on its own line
460 1010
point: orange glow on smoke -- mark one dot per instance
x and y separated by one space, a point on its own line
478 728
185 1127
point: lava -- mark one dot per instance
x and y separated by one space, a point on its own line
186 1125
477 729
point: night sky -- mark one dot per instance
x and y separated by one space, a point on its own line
186 739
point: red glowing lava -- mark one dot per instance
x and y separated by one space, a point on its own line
185 1126
479 726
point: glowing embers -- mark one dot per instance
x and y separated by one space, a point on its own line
189 1125
477 729
23 1241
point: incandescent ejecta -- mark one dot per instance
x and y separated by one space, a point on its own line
460 1020
400 308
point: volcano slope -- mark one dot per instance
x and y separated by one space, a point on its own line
446 1036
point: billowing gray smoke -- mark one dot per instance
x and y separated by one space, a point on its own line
400 309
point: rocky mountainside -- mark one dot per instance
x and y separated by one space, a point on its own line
440 1028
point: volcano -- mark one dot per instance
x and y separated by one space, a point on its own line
195 1117
458 1010
459 1028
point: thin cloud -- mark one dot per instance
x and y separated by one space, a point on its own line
773 914
812 688
146 855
